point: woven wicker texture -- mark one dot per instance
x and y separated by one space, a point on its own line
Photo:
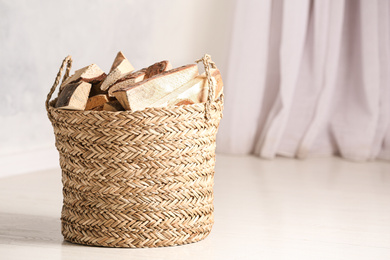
137 179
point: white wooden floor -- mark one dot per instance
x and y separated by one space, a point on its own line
282 209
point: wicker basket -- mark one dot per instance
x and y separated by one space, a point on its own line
137 179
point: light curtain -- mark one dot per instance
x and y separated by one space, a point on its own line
308 78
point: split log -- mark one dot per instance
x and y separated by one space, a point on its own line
113 106
98 108
74 96
119 68
218 84
195 90
134 77
147 92
127 81
181 102
157 68
96 101
95 90
90 74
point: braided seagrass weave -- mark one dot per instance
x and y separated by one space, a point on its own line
137 179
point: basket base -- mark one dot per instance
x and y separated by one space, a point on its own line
158 238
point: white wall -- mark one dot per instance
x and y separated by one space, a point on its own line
36 35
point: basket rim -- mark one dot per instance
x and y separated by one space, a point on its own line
145 110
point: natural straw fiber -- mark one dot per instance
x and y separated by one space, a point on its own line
137 179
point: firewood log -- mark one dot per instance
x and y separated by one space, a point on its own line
113 106
195 90
74 96
91 74
147 92
127 81
181 102
157 68
119 68
96 101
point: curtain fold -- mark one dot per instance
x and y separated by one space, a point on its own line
246 61
308 78
295 15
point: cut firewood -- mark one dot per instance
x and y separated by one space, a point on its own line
195 90
113 106
137 76
91 74
157 68
95 90
96 101
181 102
120 57
127 81
74 96
98 108
218 84
120 67
144 93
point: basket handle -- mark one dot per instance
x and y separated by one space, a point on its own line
208 64
68 62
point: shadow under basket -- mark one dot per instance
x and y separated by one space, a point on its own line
137 179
